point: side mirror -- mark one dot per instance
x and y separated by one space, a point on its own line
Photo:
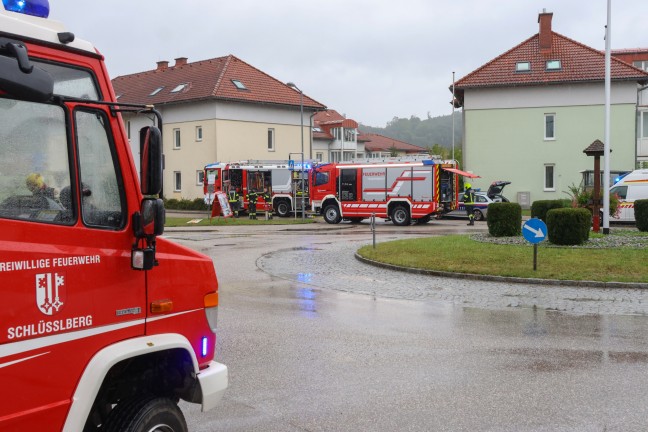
148 223
150 160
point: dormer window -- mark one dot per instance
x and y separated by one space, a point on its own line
553 65
523 66
239 85
178 88
156 91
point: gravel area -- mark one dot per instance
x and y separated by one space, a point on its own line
618 237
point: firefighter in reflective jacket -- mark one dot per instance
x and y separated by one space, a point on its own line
469 203
267 197
252 198
234 201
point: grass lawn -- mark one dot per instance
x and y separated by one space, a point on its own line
459 253
220 221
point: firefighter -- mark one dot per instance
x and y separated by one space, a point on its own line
234 201
469 202
252 198
267 197
36 185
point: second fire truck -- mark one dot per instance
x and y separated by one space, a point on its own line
401 190
282 180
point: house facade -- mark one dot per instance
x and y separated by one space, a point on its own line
529 113
221 109
380 146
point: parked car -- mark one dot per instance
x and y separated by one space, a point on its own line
482 200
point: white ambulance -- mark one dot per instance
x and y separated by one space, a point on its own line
630 188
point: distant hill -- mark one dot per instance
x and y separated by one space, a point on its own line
424 133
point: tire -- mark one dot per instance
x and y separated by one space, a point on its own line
146 414
478 215
283 208
400 216
332 214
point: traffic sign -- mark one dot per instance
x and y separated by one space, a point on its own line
534 230
291 164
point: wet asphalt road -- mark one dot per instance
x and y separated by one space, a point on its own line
318 341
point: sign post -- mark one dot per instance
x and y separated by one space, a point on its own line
534 231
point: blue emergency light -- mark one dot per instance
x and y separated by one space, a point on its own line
38 8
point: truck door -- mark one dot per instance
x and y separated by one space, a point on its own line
67 284
348 184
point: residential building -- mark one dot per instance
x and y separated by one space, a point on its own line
221 109
380 146
335 137
529 114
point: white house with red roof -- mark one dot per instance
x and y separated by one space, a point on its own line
221 109
529 114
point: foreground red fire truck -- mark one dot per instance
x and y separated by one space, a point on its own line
400 189
281 178
104 325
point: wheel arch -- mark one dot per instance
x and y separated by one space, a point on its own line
93 379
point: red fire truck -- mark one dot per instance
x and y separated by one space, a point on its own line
400 189
104 324
281 178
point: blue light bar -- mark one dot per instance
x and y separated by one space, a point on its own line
38 8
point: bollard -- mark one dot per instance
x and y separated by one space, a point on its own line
373 228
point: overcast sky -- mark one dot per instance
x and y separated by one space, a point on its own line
369 59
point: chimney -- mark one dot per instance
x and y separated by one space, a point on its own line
545 32
180 61
161 65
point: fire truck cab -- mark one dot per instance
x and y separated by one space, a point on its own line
104 324
400 189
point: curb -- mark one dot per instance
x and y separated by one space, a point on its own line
505 279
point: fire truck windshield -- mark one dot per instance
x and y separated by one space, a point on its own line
70 82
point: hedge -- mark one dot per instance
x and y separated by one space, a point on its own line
568 226
504 219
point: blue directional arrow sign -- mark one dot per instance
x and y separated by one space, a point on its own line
534 230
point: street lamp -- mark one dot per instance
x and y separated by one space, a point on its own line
301 115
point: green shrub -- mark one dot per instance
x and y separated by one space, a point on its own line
504 219
569 226
540 208
641 214
185 204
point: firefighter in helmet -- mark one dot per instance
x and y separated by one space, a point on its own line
36 185
469 203
252 198
234 200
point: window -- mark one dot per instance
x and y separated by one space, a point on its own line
549 127
200 177
271 139
319 156
239 85
176 138
523 66
198 133
177 181
35 163
549 184
321 178
71 82
644 124
128 129
641 64
553 65
178 88
156 91
620 191
102 198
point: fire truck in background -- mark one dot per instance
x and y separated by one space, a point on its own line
400 189
282 179
104 324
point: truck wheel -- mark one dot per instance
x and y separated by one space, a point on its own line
400 216
332 214
283 208
146 414
478 215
